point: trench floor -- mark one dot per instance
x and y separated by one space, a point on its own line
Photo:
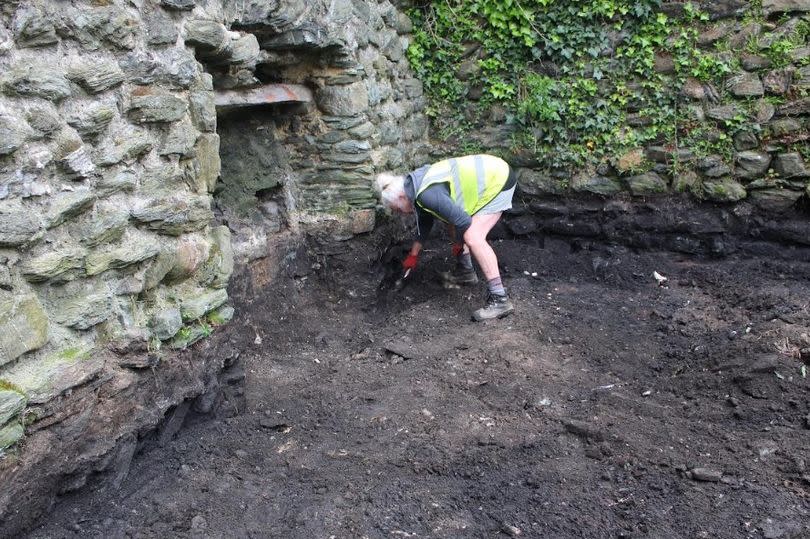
606 406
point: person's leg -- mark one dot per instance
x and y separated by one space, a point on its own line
476 239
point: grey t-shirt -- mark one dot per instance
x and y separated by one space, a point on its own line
437 199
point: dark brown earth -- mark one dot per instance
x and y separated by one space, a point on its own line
606 406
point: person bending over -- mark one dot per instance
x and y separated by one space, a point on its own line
469 194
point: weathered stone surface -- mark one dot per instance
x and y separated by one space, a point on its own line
203 111
745 140
83 310
11 136
197 307
802 78
784 126
349 100
10 435
208 163
67 204
790 165
724 112
180 139
92 121
178 5
18 224
97 27
190 255
166 323
23 326
797 107
175 215
647 184
599 185
125 144
723 190
131 252
78 164
105 228
160 28
56 265
44 120
220 264
777 82
48 377
147 106
115 182
771 7
746 85
753 62
34 28
95 76
207 35
764 111
752 164
173 68
11 403
158 268
688 181
37 81
244 50
774 200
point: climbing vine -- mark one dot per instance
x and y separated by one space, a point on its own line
578 79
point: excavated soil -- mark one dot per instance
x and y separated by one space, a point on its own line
606 406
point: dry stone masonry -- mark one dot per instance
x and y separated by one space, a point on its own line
128 198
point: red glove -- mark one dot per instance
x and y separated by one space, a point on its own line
458 248
410 262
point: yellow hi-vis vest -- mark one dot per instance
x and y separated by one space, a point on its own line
474 180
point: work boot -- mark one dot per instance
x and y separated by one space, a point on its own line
460 276
497 307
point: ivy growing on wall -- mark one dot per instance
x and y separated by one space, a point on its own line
577 78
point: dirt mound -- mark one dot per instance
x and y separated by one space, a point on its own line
607 406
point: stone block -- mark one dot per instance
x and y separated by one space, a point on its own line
33 28
44 120
687 181
124 144
790 165
754 62
37 81
108 184
104 228
175 215
208 164
745 140
178 5
244 50
541 183
802 78
797 107
23 326
127 254
772 7
173 68
724 112
723 190
160 28
68 204
11 403
203 110
778 82
10 435
47 377
159 267
18 224
775 200
189 256
180 139
149 106
92 121
54 266
784 126
349 100
95 76
206 35
220 264
197 307
598 185
752 164
83 310
647 184
78 164
11 135
166 323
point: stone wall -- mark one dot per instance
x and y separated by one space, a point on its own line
123 214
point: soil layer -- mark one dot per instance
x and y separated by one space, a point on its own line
608 405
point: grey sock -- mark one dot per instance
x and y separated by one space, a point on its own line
495 286
464 261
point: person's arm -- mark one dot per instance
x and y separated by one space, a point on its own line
437 199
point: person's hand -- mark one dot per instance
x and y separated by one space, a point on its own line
410 262
458 248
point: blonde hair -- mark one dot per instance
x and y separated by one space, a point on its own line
389 187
